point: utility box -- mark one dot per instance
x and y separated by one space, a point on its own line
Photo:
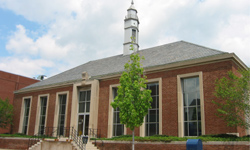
194 144
85 139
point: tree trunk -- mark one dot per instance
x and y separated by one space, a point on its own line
133 142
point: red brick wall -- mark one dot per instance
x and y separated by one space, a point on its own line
104 106
166 146
14 143
11 82
8 84
18 143
213 124
51 108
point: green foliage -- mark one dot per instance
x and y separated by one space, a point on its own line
221 136
15 135
6 113
133 99
165 138
233 99
159 135
21 135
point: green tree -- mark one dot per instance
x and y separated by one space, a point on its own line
6 113
133 99
233 99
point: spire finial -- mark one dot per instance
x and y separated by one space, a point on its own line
132 2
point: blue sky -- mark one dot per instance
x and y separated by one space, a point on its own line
45 37
8 23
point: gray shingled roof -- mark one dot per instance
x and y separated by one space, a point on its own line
155 56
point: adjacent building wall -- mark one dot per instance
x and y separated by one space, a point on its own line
8 84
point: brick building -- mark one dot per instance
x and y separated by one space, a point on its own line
9 83
181 76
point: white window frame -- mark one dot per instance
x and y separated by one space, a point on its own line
20 130
56 114
93 85
157 122
84 113
180 102
114 110
38 112
143 126
111 112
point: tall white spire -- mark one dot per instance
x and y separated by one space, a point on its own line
131 29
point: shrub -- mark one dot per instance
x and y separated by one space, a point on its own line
221 136
159 135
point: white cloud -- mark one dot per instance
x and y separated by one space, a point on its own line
42 11
167 39
48 48
25 66
19 43
235 37
78 31
45 46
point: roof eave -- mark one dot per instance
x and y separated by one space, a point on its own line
182 64
45 87
150 69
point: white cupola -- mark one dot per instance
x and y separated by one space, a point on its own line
131 28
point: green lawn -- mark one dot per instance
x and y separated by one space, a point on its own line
22 136
15 135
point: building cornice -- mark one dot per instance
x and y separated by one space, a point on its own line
46 87
148 70
184 64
